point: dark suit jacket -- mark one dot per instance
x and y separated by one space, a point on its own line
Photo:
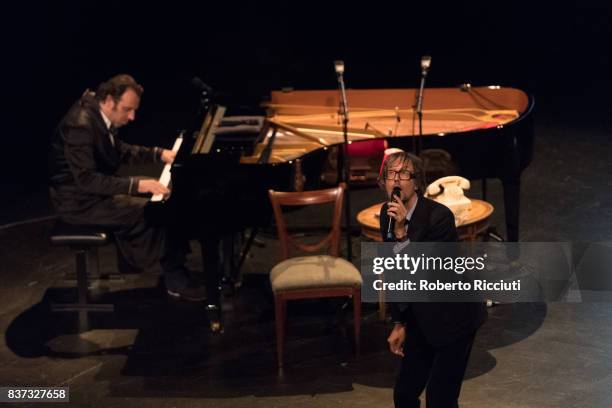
83 161
441 323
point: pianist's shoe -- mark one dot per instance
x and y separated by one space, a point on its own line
183 287
191 292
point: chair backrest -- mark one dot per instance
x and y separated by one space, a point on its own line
280 199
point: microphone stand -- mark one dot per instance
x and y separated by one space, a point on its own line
419 111
345 164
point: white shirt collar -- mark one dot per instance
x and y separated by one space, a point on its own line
106 120
411 211
108 126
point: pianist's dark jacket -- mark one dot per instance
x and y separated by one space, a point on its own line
83 161
441 323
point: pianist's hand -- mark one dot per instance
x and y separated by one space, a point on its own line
168 156
152 186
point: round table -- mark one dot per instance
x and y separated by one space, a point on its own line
474 225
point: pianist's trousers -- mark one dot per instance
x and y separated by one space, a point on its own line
441 369
138 243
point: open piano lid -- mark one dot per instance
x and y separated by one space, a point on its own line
305 121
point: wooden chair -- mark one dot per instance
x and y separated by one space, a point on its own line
314 276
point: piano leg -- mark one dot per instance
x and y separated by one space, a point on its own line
210 262
228 258
512 196
245 252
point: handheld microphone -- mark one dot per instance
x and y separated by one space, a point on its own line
397 192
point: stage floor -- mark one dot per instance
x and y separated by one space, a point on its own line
157 351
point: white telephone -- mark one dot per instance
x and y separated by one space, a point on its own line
449 191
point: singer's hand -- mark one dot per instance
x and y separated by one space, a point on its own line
397 211
396 339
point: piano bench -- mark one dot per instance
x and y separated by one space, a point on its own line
81 240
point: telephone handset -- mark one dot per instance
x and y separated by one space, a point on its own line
449 184
449 191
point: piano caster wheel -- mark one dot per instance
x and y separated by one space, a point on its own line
215 327
213 313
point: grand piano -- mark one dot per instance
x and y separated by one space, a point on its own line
487 130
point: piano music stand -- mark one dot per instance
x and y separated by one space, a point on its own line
206 135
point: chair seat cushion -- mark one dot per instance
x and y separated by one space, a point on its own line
310 272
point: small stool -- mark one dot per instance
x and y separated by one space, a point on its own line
80 239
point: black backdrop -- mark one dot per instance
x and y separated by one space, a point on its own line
53 51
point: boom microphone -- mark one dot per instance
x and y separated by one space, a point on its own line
197 83
425 64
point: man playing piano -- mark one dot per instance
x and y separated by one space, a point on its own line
433 339
85 189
